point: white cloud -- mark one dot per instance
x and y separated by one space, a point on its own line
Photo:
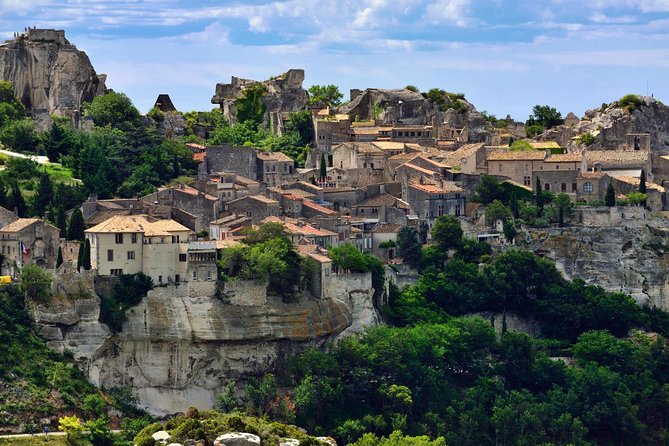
449 11
19 6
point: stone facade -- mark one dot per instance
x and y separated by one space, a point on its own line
28 241
232 159
247 293
257 207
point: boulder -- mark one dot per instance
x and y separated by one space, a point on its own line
289 442
237 439
329 440
161 436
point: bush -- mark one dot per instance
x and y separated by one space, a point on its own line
125 294
630 102
35 283
587 139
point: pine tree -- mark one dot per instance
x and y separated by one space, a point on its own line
513 204
323 169
17 201
43 196
61 221
75 230
610 199
59 259
539 197
86 256
4 201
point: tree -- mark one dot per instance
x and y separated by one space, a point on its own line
497 211
11 108
259 393
642 184
94 404
447 231
300 123
521 146
99 433
86 256
76 227
20 135
323 172
348 257
539 195
408 246
35 283
545 116
56 141
227 400
610 198
326 94
250 108
636 198
113 109
17 202
72 426
44 195
59 259
489 190
564 206
510 231
61 221
80 257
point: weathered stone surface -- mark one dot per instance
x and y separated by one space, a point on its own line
630 255
49 74
284 93
161 436
329 440
289 442
237 439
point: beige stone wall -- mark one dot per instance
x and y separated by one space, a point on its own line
101 243
341 286
607 217
246 292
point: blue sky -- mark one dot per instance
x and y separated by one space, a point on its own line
506 56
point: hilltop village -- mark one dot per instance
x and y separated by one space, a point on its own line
390 262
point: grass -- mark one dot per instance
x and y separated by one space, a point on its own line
50 440
60 174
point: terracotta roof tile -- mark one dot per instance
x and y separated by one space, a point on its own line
19 225
518 155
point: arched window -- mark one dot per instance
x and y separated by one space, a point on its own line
587 187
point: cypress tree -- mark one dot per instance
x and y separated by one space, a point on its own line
513 204
17 201
4 201
86 257
80 257
642 182
76 227
323 170
44 195
539 198
61 221
59 259
610 199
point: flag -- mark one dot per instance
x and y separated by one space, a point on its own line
24 250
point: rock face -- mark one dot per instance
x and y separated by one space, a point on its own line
284 93
49 74
616 248
237 439
177 348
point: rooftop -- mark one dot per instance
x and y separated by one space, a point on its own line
448 188
318 208
385 228
19 225
298 227
636 181
519 155
565 158
542 145
274 156
144 224
616 156
379 200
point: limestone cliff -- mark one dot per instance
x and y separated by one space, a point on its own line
179 347
49 74
620 249
284 93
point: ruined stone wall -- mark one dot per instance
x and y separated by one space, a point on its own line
238 160
246 292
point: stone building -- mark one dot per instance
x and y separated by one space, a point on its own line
522 166
624 185
232 159
275 168
343 198
139 243
202 262
220 229
466 159
430 201
592 186
199 208
257 207
299 230
381 206
28 241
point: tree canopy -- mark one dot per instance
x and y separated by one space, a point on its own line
326 94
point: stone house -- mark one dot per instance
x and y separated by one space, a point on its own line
321 277
356 155
430 201
257 207
522 166
139 243
328 132
203 206
465 159
28 241
384 233
379 207
233 159
343 198
619 162
624 185
311 210
202 262
299 230
220 229
275 168
592 186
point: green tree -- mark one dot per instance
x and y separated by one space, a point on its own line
510 231
408 246
521 146
636 198
348 257
76 227
44 195
250 108
564 206
326 94
227 400
11 108
57 140
447 231
115 110
513 205
61 221
260 392
94 404
99 432
489 190
323 172
17 202
59 258
35 283
300 123
610 198
497 211
545 116
72 426
539 195
86 256
20 135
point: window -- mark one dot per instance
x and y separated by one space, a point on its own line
457 210
563 187
194 274
587 187
182 257
573 187
547 186
160 279
208 274
175 239
119 239
177 278
557 166
440 210
500 167
133 238
131 255
115 272
527 180
110 255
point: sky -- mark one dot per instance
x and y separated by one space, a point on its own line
505 56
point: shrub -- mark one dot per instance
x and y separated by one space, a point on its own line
630 102
587 139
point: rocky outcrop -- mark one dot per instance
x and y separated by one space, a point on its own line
284 93
49 74
179 347
616 249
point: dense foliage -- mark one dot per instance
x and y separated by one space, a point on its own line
127 292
